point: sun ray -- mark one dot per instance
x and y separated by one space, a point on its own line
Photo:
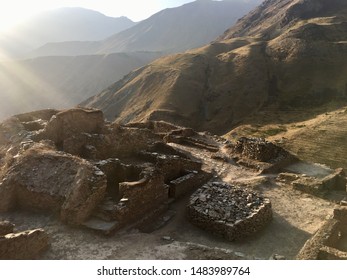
23 90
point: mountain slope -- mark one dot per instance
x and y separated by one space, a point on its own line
284 60
61 81
177 29
171 30
64 24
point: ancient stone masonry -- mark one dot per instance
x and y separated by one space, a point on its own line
22 245
100 175
44 179
330 241
177 134
189 137
333 180
261 154
228 211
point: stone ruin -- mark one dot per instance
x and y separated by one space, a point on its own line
105 176
100 175
330 241
260 154
319 185
228 211
21 245
180 135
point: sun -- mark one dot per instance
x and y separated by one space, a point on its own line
6 21
10 15
15 11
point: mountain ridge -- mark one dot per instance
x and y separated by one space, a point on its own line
217 86
169 30
59 25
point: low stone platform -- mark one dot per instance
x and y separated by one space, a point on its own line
228 211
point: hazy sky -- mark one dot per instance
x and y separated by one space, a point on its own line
12 11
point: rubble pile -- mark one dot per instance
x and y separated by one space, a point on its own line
228 211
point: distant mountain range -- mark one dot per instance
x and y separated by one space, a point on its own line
60 82
171 30
285 54
64 24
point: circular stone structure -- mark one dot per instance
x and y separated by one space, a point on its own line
228 211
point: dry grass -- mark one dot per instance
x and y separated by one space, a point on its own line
317 136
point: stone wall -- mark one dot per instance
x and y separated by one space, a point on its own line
42 179
187 183
23 245
314 185
115 142
190 141
325 243
228 211
260 150
173 167
141 198
159 127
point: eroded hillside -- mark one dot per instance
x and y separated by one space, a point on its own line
292 56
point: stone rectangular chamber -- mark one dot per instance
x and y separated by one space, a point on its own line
228 211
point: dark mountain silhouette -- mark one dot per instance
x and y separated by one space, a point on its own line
284 54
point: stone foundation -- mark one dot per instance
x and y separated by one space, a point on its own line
228 211
335 181
260 154
187 183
